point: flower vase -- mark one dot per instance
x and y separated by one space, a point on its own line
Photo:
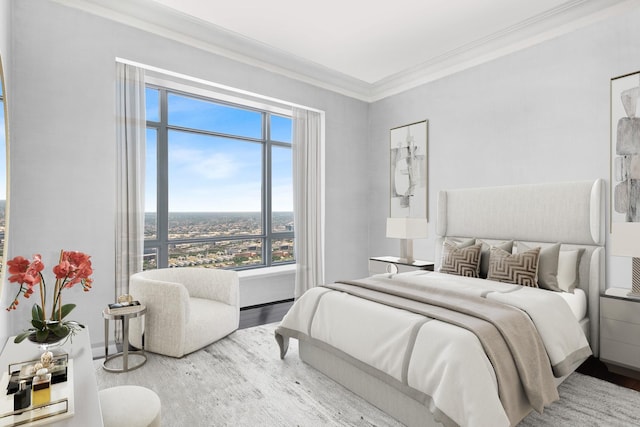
52 342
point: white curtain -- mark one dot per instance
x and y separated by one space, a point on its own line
130 142
308 198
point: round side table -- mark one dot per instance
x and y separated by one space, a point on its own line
125 314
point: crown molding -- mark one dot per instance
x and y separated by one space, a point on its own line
158 19
568 17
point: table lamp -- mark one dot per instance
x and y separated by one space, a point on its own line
407 229
625 241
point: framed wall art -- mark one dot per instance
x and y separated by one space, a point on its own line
625 148
408 154
625 173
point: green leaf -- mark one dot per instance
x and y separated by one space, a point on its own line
38 324
60 330
37 313
66 309
22 336
41 336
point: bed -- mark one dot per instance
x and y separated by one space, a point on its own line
423 346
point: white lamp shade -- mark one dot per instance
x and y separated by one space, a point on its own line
407 228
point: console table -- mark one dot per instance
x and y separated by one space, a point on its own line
85 389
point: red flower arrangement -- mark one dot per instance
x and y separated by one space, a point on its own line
73 268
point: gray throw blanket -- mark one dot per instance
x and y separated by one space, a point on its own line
506 333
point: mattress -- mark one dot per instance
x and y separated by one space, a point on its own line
576 301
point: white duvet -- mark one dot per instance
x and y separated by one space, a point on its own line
443 362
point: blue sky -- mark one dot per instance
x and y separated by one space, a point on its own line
214 174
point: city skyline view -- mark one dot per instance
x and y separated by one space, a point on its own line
200 239
218 180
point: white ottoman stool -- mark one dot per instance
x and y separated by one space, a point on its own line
130 406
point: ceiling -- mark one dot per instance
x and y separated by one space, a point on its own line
362 48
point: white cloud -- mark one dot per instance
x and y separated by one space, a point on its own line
205 165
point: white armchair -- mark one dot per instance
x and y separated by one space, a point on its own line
187 308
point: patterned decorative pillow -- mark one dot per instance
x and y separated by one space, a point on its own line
460 261
518 269
485 254
547 265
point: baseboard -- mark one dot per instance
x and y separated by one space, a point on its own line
266 304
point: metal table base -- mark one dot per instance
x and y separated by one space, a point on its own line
125 315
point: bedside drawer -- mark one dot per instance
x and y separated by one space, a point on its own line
617 330
620 353
622 310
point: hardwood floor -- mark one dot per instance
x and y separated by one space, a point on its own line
595 368
274 312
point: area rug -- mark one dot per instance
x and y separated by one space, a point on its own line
241 381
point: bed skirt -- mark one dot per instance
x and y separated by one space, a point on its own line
385 397
380 394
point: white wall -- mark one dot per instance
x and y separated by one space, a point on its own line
63 148
5 54
538 115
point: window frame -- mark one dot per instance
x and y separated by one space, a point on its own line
162 129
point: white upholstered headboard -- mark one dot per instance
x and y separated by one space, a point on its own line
571 213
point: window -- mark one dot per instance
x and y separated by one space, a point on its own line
219 189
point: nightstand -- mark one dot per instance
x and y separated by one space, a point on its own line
620 332
390 264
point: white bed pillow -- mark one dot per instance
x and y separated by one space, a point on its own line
568 264
461 243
